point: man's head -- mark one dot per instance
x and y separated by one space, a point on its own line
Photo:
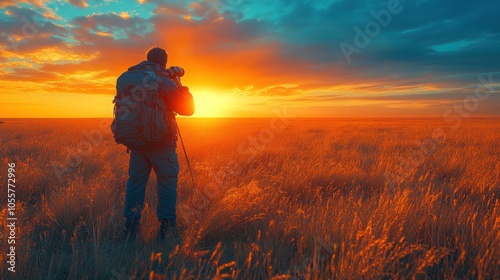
158 55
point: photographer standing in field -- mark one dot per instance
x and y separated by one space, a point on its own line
148 97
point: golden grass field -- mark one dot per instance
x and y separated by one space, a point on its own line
276 199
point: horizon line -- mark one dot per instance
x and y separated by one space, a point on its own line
270 117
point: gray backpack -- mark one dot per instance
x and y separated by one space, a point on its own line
141 119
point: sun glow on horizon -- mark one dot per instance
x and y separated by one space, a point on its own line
210 104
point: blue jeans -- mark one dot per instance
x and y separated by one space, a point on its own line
165 163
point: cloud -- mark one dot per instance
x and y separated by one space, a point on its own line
432 50
119 27
34 49
24 30
39 5
312 35
36 3
274 90
32 75
79 3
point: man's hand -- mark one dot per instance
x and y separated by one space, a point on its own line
177 81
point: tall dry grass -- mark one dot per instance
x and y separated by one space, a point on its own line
310 201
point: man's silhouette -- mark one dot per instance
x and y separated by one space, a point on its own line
163 158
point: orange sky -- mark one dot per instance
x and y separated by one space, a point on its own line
63 61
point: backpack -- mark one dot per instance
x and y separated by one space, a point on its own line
141 119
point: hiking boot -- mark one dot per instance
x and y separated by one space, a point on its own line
132 230
168 229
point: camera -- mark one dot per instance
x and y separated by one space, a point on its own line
175 71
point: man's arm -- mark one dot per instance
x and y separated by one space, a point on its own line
177 97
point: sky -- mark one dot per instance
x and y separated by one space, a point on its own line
331 58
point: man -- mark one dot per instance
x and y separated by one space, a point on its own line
163 158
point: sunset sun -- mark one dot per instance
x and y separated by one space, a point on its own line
210 103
